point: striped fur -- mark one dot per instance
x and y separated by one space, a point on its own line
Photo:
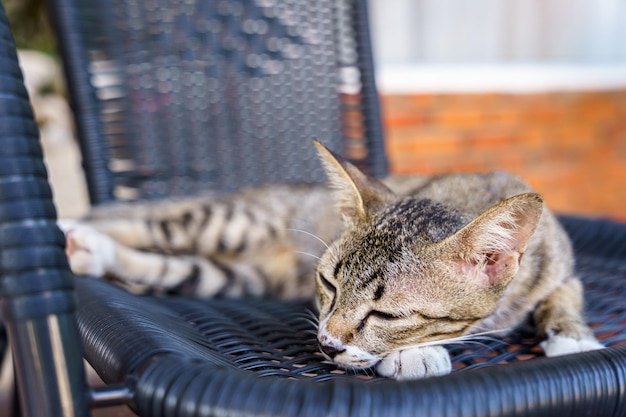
397 267
260 242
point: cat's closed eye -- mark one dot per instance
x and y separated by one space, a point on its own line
383 315
327 286
326 283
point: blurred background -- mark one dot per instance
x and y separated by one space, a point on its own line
535 87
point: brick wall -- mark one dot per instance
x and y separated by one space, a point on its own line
571 147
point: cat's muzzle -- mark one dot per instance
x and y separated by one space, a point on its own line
330 351
349 357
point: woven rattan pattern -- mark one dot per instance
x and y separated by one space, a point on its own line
279 339
208 95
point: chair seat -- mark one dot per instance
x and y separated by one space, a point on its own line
270 340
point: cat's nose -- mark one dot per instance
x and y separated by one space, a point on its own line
331 351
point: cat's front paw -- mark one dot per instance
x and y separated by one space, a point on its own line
89 252
564 345
415 363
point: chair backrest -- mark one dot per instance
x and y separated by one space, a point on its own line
173 97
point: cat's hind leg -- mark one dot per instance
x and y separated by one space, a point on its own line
224 227
88 251
559 318
91 252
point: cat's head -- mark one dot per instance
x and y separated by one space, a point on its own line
410 271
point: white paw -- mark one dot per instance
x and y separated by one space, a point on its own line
414 363
89 252
67 224
563 345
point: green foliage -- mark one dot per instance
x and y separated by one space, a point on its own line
30 24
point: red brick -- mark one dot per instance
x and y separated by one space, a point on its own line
423 100
458 117
400 120
571 146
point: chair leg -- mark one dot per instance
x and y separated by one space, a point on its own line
8 395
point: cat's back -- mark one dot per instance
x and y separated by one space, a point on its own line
469 193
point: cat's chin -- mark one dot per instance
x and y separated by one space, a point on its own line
357 365
354 358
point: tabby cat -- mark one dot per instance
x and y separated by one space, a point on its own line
400 267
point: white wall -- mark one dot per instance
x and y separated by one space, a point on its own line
435 44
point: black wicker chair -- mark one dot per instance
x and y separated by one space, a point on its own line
175 97
210 77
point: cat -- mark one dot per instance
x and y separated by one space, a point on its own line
398 267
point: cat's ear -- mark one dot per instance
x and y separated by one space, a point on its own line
489 249
358 194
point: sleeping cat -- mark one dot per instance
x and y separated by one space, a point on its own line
399 267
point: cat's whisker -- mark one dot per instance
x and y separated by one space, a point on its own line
307 318
319 239
460 339
477 327
309 254
311 314
481 341
485 333
494 340
360 371
474 342
311 332
315 324
310 318
355 371
308 313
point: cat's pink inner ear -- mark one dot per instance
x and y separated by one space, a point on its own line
491 246
493 270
